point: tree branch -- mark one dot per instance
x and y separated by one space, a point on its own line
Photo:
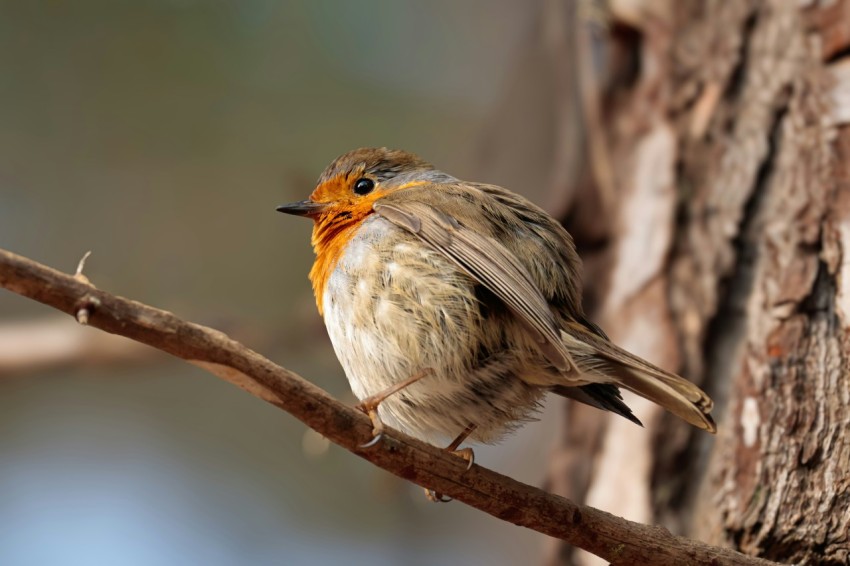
37 345
614 539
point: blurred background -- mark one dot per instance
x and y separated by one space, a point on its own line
161 136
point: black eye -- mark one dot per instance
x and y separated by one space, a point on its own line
364 186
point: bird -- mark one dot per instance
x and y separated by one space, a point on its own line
454 307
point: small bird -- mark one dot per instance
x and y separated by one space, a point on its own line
454 307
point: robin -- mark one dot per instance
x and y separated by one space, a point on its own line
454 307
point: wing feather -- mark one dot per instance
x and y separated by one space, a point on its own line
489 263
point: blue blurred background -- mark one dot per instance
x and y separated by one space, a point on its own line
161 135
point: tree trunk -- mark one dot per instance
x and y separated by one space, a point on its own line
713 214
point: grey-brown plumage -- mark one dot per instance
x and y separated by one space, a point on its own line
473 282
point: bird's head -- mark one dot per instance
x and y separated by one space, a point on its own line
345 193
349 186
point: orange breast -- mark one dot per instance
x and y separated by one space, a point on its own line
328 253
331 234
336 226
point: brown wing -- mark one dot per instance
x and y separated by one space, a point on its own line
528 261
486 261
544 247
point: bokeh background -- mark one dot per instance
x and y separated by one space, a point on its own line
161 135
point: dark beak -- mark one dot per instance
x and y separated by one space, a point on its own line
303 208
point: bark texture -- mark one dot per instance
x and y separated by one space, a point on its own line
722 256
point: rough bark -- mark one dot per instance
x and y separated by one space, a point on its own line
723 259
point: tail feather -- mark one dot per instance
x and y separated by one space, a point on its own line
680 397
600 395
596 355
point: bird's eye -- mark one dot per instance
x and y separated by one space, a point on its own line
364 186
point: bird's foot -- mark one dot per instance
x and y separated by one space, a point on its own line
466 453
377 424
370 404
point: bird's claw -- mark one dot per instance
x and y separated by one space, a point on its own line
467 454
377 424
375 440
436 497
369 405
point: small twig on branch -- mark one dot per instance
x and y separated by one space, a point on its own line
617 540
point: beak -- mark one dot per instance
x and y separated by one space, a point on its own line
303 208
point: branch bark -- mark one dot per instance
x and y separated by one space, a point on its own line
615 539
37 345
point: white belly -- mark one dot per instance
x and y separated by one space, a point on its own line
395 313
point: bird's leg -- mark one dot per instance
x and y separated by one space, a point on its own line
465 453
369 405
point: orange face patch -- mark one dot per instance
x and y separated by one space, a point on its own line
335 227
338 222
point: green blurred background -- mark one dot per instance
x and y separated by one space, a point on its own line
161 135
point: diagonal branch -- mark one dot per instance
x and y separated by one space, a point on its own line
617 540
